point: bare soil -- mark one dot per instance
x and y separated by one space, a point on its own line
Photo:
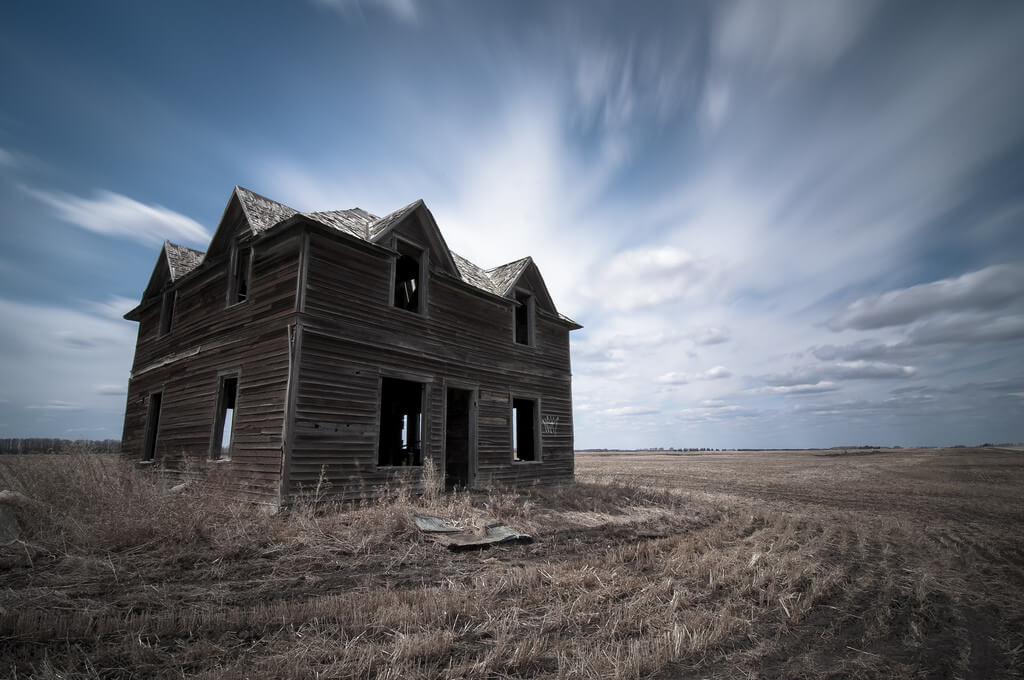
903 563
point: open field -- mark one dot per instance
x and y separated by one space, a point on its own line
654 565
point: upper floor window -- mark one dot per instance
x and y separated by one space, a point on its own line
408 292
167 311
239 273
524 318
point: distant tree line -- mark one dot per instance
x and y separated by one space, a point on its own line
45 445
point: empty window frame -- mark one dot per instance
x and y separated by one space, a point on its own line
152 426
239 275
408 291
224 425
167 311
401 423
524 318
525 432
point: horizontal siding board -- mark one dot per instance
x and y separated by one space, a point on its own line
250 337
352 336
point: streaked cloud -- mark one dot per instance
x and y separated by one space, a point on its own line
112 214
989 288
839 370
405 10
645 277
815 388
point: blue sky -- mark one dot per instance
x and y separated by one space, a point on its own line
782 223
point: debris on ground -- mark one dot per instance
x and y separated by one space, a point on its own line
455 537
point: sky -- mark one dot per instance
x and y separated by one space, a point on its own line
782 223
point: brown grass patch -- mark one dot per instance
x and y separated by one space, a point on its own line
741 565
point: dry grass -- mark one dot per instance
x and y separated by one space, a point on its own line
651 566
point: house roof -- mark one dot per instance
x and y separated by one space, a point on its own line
181 259
504 276
264 214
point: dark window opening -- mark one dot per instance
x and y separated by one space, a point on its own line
407 283
239 291
224 428
401 423
524 430
167 311
152 425
524 315
458 413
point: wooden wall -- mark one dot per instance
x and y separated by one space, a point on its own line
311 344
350 336
206 339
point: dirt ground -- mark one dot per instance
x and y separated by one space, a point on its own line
857 563
949 520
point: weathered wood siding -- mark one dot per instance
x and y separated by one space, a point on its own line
207 339
351 336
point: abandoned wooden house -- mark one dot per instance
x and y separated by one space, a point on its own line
348 346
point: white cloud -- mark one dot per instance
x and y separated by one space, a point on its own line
112 214
710 336
114 308
55 405
988 288
715 373
788 35
815 388
645 277
623 411
8 159
56 359
840 370
404 10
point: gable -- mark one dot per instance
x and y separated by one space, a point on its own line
530 280
160 278
415 224
173 262
246 216
249 215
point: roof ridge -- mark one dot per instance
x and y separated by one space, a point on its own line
373 229
509 264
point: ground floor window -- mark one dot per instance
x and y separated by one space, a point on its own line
224 426
525 441
401 423
152 425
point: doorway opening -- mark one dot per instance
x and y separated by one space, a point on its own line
458 438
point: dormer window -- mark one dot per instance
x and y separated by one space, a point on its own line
238 280
408 292
167 311
524 318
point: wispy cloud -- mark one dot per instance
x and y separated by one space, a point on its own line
55 405
988 288
8 159
621 411
816 388
840 370
404 10
113 214
645 277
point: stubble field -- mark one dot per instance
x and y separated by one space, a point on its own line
858 563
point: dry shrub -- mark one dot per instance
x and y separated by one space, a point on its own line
85 502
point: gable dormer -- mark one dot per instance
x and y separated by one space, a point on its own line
174 262
415 227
